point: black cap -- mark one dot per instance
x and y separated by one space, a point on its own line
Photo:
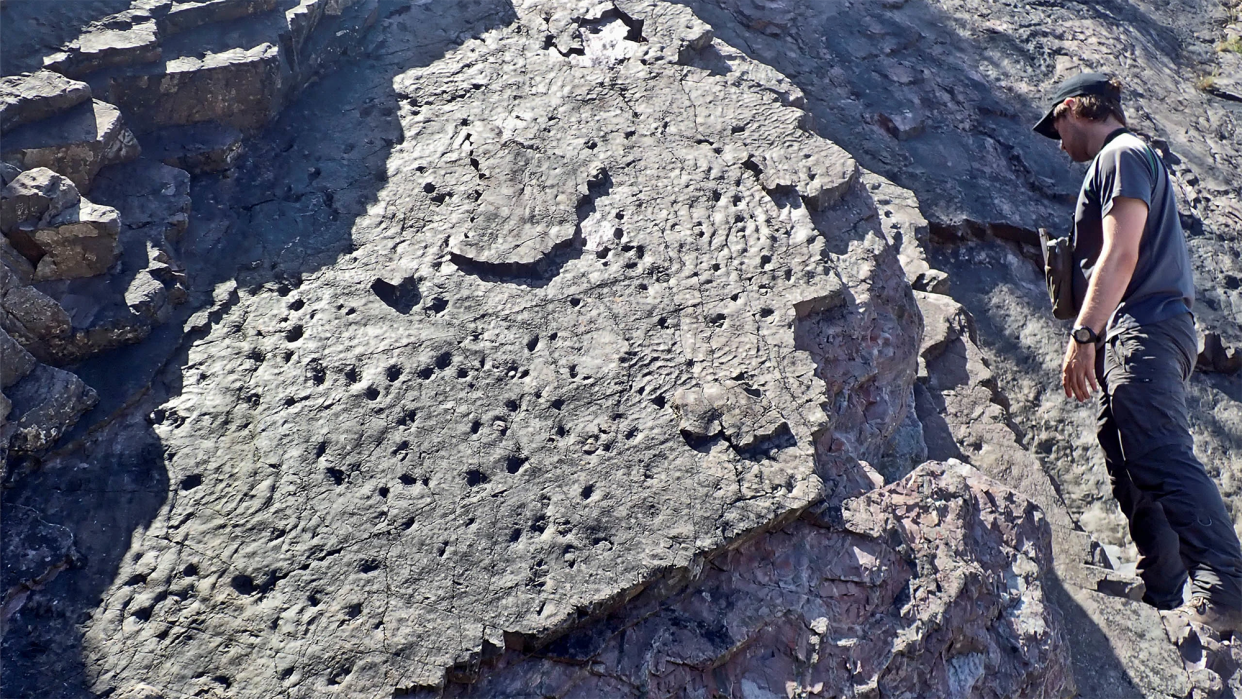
1077 86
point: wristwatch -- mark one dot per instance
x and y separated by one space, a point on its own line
1084 335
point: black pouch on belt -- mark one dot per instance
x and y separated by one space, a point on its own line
1058 273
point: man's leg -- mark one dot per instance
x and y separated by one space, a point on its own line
1160 562
1148 401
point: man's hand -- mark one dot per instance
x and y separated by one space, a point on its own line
1078 370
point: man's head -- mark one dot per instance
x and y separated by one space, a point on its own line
1082 112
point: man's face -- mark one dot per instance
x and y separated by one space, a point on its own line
1073 135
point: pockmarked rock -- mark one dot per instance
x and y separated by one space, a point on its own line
482 429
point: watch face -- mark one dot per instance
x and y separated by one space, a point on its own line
1083 334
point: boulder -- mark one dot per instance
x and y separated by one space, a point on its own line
35 196
240 87
46 403
32 97
76 143
80 241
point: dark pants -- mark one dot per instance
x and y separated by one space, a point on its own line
1177 518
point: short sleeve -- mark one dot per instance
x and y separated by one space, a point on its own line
1125 172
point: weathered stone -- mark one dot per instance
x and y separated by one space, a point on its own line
15 361
147 297
31 317
80 241
8 173
75 144
37 195
1226 88
18 267
36 96
901 125
199 148
46 403
240 87
34 551
147 194
906 228
106 47
187 15
1216 355
1213 662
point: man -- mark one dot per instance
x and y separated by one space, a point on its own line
1134 338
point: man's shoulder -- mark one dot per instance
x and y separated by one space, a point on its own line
1127 150
1127 140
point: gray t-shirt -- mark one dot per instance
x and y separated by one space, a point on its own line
1162 285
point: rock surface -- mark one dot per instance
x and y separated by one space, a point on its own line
552 346
75 143
564 339
929 588
28 98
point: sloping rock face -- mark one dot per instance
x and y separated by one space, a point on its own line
571 355
974 76
552 349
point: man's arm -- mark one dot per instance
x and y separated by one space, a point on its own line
1123 230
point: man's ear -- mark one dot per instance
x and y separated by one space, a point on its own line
1069 103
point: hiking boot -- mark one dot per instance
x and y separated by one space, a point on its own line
1222 620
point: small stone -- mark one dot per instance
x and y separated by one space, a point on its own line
78 242
901 125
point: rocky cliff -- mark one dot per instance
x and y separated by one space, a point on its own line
383 348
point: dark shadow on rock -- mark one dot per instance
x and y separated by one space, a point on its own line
965 147
1098 672
286 211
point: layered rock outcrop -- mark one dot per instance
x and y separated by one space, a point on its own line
96 277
